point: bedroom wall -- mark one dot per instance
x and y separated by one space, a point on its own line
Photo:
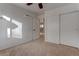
18 34
35 28
52 23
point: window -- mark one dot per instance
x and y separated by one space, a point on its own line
14 29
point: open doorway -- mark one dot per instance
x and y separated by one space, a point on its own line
42 32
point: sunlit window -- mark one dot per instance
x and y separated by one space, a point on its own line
15 28
8 32
6 18
17 31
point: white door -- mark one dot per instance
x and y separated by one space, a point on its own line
69 29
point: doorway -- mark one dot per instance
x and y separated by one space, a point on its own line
42 31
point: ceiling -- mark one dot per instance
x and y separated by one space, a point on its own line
35 9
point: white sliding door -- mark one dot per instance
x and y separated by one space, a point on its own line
69 29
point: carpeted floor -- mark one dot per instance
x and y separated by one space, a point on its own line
40 48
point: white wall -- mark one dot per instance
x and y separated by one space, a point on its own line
36 27
41 17
51 27
18 14
52 22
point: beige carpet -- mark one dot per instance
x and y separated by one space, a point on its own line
40 48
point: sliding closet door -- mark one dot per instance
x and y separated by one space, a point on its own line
69 29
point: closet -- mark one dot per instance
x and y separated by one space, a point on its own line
62 27
69 28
